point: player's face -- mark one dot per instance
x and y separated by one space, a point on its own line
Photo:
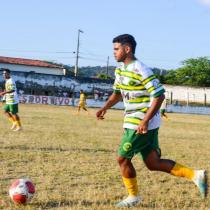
120 53
6 75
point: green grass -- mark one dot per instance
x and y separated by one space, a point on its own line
72 160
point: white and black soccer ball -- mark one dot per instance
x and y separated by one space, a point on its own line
21 191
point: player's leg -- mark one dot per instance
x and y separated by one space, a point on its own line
126 152
6 109
82 105
14 112
84 108
165 115
17 122
79 107
155 163
128 173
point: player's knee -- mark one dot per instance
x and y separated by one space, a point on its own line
6 112
153 166
121 160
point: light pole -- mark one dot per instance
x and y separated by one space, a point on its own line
107 67
77 53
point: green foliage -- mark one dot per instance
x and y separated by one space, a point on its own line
171 78
161 78
103 76
195 72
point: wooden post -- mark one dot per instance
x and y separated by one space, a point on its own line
204 99
171 98
187 98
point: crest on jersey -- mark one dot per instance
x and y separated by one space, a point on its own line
132 83
155 83
127 146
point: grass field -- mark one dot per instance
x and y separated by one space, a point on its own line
72 160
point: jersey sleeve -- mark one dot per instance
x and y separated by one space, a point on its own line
116 87
151 83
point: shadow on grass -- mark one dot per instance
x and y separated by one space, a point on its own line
55 149
54 204
68 203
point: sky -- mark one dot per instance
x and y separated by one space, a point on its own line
167 31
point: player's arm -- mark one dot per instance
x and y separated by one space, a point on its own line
155 106
156 91
113 99
5 92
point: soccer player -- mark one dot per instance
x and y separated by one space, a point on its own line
142 95
163 109
82 101
11 101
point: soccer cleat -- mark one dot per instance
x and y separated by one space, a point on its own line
18 129
130 201
13 126
200 180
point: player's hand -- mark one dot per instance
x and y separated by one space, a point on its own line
100 114
2 93
142 128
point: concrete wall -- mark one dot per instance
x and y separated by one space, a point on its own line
39 84
189 109
65 101
188 94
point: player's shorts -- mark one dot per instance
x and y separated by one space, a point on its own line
82 104
13 108
141 144
162 111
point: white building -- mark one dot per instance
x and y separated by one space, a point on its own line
30 65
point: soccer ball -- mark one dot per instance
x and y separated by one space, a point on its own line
21 191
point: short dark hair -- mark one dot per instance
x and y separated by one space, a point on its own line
126 39
7 70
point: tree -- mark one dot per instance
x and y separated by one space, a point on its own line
171 78
195 72
104 76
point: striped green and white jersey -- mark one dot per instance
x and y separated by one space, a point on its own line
138 86
11 98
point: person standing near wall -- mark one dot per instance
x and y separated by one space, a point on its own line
11 101
82 101
163 109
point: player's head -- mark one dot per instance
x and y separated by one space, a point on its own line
124 46
6 73
81 91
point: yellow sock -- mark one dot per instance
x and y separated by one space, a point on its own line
180 170
11 120
18 124
131 185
